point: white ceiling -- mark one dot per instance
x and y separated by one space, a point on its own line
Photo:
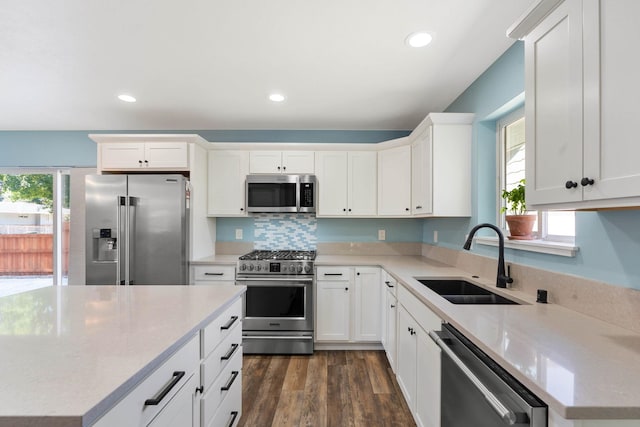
211 64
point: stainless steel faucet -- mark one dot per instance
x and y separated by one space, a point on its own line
503 278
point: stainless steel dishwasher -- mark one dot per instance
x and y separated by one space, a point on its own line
477 392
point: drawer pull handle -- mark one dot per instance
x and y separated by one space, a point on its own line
333 274
234 415
214 274
389 285
229 323
177 376
232 350
227 386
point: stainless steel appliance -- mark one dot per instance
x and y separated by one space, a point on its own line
278 304
136 230
476 391
281 193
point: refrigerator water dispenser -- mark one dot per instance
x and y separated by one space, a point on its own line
105 247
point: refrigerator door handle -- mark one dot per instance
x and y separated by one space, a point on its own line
129 231
120 203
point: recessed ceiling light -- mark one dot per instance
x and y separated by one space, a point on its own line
126 98
276 97
420 39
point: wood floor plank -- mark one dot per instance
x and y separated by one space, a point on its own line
296 376
328 388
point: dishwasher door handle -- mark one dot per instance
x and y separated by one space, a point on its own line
507 415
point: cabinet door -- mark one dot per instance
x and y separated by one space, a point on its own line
166 155
298 162
612 90
333 310
362 183
121 156
265 162
428 376
391 308
407 347
331 174
421 173
367 324
227 174
553 83
394 182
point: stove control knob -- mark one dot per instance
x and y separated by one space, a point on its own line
299 269
258 267
307 268
292 268
243 267
251 267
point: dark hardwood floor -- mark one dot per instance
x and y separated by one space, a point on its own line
329 388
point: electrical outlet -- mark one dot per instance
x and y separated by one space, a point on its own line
382 235
435 236
238 233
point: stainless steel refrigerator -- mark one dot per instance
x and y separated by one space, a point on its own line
136 230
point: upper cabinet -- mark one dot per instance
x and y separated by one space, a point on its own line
144 156
581 103
228 170
441 165
394 181
346 183
298 162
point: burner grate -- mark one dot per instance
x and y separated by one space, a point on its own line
259 255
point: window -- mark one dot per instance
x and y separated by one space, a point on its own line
554 226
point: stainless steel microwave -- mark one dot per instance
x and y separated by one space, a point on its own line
281 193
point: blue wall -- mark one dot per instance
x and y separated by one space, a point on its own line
609 241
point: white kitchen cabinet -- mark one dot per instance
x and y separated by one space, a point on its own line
394 181
298 162
213 275
146 156
367 325
418 370
333 310
389 318
180 410
228 171
581 89
348 304
441 165
347 183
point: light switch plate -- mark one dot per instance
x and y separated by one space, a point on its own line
238 233
382 234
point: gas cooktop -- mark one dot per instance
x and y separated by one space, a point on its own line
281 262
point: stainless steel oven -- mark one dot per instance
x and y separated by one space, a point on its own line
278 304
476 391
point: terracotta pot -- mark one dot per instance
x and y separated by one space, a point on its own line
520 226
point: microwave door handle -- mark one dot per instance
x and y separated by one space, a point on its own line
507 415
298 189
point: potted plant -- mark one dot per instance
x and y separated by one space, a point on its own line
520 224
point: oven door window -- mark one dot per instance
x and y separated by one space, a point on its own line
272 195
266 301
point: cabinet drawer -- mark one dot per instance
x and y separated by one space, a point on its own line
333 273
390 284
131 410
179 411
420 312
220 327
221 356
214 272
229 380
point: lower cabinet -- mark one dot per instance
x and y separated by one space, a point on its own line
348 304
200 385
389 318
418 367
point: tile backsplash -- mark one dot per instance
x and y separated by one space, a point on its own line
285 231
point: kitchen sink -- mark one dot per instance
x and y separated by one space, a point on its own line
459 291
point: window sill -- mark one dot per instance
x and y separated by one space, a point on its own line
540 246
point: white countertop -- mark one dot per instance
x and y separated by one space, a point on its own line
581 367
73 351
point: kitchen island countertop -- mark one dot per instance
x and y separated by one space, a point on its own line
69 353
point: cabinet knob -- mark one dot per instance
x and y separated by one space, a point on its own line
586 181
346 289
284 168
358 273
393 306
349 209
241 209
570 184
278 167
140 161
406 209
344 210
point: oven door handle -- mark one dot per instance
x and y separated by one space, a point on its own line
507 415
274 282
